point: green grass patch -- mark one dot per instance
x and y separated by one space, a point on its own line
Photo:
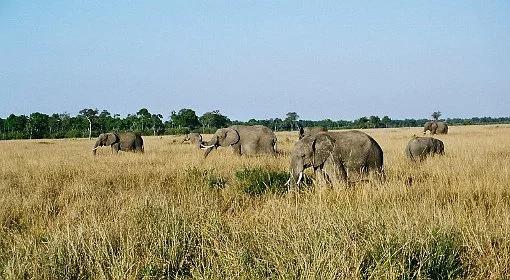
257 181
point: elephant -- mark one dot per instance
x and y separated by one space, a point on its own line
193 138
350 154
304 131
435 127
418 148
126 141
244 140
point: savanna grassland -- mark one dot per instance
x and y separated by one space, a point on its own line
169 213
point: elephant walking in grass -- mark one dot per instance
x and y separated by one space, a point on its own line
350 155
435 127
126 141
193 138
305 131
419 148
244 140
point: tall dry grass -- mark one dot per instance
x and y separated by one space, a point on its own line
169 213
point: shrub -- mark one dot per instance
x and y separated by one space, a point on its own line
258 181
439 257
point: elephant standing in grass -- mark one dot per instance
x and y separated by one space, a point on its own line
435 127
304 131
193 138
126 141
350 154
244 140
419 148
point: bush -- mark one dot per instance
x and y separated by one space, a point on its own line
439 257
258 181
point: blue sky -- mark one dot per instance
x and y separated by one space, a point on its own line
257 59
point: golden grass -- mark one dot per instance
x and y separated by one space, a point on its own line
68 215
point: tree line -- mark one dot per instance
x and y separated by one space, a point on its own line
91 122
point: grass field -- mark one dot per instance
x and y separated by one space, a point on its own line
169 213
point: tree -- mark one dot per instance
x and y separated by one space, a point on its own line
214 119
374 121
157 124
436 115
144 117
185 118
386 121
89 114
38 125
362 122
291 119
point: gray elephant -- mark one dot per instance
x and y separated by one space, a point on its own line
193 138
419 148
304 131
244 140
126 141
349 155
435 127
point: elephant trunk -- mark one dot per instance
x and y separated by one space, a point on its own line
96 146
296 172
209 146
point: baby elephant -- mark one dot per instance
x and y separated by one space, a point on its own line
193 138
126 141
419 147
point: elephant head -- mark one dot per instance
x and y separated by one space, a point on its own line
105 139
222 137
310 151
304 131
193 138
431 126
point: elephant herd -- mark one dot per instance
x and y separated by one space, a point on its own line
346 156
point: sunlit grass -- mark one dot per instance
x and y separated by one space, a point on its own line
171 214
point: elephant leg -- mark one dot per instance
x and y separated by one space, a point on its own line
339 172
115 148
321 176
236 149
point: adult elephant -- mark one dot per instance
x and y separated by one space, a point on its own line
193 138
435 127
419 148
126 141
350 155
304 131
244 140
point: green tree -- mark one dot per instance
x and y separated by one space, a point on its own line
362 122
375 121
38 125
436 115
16 126
291 119
185 118
90 115
144 117
386 121
157 124
214 119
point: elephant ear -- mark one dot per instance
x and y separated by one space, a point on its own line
231 137
322 147
111 138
